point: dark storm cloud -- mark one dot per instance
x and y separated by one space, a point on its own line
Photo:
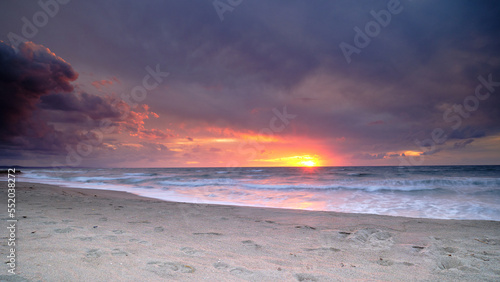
25 76
96 107
36 93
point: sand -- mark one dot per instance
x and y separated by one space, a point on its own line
67 234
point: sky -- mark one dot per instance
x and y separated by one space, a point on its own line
231 83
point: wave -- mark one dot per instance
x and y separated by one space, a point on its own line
489 192
297 182
360 174
435 192
140 174
436 182
199 183
366 188
92 179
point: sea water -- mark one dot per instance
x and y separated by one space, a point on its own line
445 192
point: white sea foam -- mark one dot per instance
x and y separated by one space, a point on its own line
428 192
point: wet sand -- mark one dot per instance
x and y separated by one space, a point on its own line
68 234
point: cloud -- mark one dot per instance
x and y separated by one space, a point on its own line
462 144
366 156
25 77
134 123
431 152
99 84
467 132
263 56
43 113
94 106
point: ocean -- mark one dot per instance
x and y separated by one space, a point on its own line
444 192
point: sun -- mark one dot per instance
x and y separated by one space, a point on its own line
297 161
308 163
307 160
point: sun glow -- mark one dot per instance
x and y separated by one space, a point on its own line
308 163
303 161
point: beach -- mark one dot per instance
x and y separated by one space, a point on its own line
70 234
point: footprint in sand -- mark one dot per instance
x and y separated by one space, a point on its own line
250 243
190 251
332 237
168 269
373 237
241 272
85 239
209 234
305 277
93 253
343 234
139 241
448 250
159 229
307 227
63 230
446 263
118 252
385 262
417 249
221 265
111 238
323 251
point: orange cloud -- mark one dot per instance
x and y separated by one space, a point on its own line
103 83
247 135
135 124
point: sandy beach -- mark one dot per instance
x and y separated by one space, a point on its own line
68 234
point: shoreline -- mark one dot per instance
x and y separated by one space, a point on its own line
111 235
129 195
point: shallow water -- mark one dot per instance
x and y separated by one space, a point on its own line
446 192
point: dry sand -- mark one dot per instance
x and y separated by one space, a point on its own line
67 234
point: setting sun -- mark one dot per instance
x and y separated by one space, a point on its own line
301 160
305 160
308 163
